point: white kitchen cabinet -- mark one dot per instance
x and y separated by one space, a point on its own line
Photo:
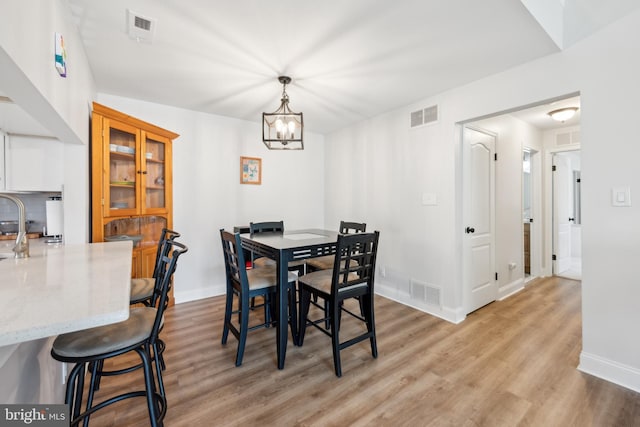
33 164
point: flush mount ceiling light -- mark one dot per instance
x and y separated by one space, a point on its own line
282 129
563 114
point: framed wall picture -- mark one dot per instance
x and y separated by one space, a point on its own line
250 170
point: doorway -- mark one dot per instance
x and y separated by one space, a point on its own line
567 233
528 208
525 140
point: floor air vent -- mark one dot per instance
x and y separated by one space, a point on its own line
426 293
424 116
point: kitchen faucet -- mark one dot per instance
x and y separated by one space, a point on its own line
21 248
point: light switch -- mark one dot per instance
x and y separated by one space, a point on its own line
621 196
429 199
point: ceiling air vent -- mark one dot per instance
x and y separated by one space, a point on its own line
140 28
424 116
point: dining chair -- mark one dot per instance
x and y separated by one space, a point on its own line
352 276
244 284
270 227
326 262
273 226
139 334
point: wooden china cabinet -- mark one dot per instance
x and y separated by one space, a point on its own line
131 188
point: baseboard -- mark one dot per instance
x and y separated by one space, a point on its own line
444 313
609 370
510 289
197 294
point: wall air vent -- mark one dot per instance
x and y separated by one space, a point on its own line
416 118
568 138
563 138
140 28
424 116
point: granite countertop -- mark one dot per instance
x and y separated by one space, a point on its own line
62 288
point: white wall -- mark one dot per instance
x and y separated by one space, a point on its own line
425 242
61 105
27 31
207 193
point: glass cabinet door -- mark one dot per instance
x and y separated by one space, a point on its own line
120 166
156 154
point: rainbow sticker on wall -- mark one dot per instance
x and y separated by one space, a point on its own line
60 55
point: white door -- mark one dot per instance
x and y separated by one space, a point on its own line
480 284
562 211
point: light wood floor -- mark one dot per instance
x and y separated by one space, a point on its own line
511 363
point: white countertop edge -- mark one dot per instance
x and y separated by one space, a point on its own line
54 329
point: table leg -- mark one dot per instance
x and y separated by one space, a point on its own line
282 303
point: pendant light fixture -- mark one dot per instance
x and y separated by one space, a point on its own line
283 129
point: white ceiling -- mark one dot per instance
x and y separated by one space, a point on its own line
349 60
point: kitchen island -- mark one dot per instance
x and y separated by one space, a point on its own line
58 289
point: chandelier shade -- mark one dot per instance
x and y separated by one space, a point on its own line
283 129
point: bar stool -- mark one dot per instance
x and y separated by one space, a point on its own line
139 334
142 287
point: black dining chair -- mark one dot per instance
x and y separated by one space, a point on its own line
245 284
326 262
352 276
139 334
264 227
273 226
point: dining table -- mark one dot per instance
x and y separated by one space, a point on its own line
284 247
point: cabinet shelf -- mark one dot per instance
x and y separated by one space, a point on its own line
127 184
116 155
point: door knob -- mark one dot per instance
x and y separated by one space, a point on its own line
470 230
572 219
